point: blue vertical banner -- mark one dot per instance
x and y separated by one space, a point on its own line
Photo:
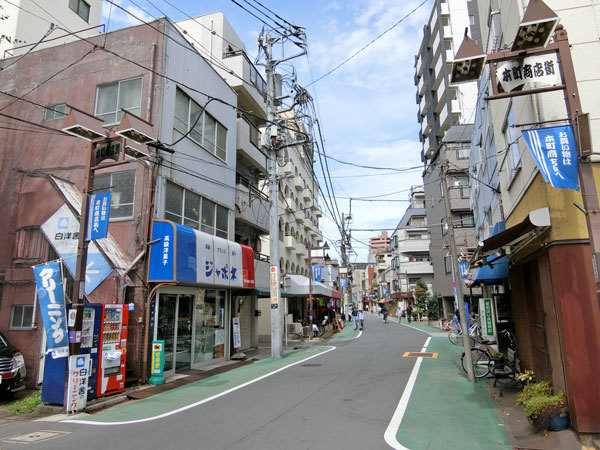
52 307
555 154
317 273
98 215
343 283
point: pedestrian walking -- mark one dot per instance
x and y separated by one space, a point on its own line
355 317
399 312
409 313
361 319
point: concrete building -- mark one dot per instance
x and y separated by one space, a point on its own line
190 193
299 215
216 40
378 244
454 153
551 280
442 105
26 25
410 241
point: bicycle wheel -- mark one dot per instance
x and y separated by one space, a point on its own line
481 362
321 330
453 336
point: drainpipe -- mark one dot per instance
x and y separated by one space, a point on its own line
147 325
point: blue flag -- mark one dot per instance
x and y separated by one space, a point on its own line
98 216
52 307
555 154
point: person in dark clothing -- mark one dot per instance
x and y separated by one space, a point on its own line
409 313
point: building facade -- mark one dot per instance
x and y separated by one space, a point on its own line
454 155
440 104
27 26
411 260
554 302
378 244
185 190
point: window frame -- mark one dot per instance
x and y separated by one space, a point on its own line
53 112
471 224
118 111
23 306
111 187
209 228
448 264
78 11
214 140
511 137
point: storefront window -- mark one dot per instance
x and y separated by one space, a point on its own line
210 325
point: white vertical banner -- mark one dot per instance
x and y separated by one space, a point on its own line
237 334
79 367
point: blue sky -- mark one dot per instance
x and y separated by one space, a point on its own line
367 108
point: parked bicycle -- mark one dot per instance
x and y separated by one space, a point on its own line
484 363
455 334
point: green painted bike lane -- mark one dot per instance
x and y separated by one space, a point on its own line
198 392
446 411
348 332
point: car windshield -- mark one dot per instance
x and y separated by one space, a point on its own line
3 341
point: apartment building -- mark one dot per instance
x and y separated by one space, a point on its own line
411 260
537 227
440 104
184 191
454 154
27 25
378 244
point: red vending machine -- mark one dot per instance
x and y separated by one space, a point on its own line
113 345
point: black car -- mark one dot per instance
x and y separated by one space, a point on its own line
12 368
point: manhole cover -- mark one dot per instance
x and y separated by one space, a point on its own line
36 436
420 355
347 399
311 365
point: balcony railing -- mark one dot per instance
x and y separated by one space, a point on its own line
255 77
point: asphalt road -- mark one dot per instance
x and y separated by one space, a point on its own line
342 398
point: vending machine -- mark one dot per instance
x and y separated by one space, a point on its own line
53 387
113 348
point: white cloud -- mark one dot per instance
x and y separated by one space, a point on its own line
119 18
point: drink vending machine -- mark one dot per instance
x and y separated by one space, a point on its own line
113 350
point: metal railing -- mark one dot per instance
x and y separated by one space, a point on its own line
255 77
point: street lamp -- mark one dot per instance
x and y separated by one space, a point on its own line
536 28
538 25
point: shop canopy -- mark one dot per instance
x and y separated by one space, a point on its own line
180 253
298 285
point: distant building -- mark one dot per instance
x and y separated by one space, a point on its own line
378 244
25 23
411 259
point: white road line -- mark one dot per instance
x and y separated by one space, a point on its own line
206 400
392 428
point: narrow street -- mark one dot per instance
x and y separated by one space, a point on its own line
343 398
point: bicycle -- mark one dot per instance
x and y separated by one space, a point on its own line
455 334
484 363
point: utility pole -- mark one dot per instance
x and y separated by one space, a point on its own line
456 270
270 150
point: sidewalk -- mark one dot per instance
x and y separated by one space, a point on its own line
446 411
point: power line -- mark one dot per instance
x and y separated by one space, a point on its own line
369 43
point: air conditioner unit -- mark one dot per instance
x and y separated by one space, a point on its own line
294 328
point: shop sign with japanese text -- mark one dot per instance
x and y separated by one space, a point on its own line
98 215
51 298
538 69
553 149
79 366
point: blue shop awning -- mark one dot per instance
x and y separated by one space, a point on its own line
492 273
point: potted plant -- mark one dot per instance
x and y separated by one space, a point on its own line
544 408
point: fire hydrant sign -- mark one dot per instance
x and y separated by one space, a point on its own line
78 382
274 287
